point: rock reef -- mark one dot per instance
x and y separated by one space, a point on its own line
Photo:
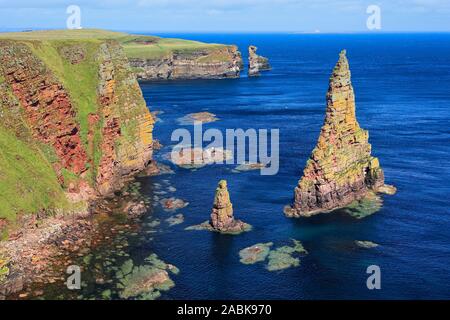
277 259
145 282
341 169
194 158
256 63
193 118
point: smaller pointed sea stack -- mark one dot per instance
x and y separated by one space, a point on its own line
341 168
222 219
256 63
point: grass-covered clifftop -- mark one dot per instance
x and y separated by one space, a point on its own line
135 46
73 122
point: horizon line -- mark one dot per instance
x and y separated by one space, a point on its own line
221 32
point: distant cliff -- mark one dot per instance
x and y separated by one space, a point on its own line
73 122
155 58
256 63
341 168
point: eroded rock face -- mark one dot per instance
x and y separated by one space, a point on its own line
220 63
222 218
117 142
341 168
123 153
256 63
47 107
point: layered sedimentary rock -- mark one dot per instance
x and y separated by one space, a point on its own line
256 63
73 120
127 123
341 168
222 218
47 108
212 63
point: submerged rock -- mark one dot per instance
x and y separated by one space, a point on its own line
203 117
255 253
256 63
341 168
248 166
175 220
366 244
173 204
387 189
364 207
144 282
135 209
277 259
282 258
192 158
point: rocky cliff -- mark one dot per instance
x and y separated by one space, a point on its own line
204 63
256 63
341 168
73 123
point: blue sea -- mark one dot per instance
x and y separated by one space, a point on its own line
402 87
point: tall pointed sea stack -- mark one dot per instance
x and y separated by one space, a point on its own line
222 218
341 168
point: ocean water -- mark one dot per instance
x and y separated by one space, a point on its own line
402 86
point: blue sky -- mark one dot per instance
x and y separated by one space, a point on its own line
229 15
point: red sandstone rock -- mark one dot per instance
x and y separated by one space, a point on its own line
341 168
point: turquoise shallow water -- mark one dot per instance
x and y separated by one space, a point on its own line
402 85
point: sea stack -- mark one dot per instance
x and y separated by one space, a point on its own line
341 168
222 218
256 63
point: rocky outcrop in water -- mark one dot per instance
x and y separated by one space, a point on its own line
341 168
256 63
218 63
222 218
278 259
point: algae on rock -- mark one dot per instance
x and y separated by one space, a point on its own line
145 282
255 253
278 259
4 269
282 258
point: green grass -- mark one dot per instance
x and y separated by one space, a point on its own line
82 34
28 181
135 46
164 48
